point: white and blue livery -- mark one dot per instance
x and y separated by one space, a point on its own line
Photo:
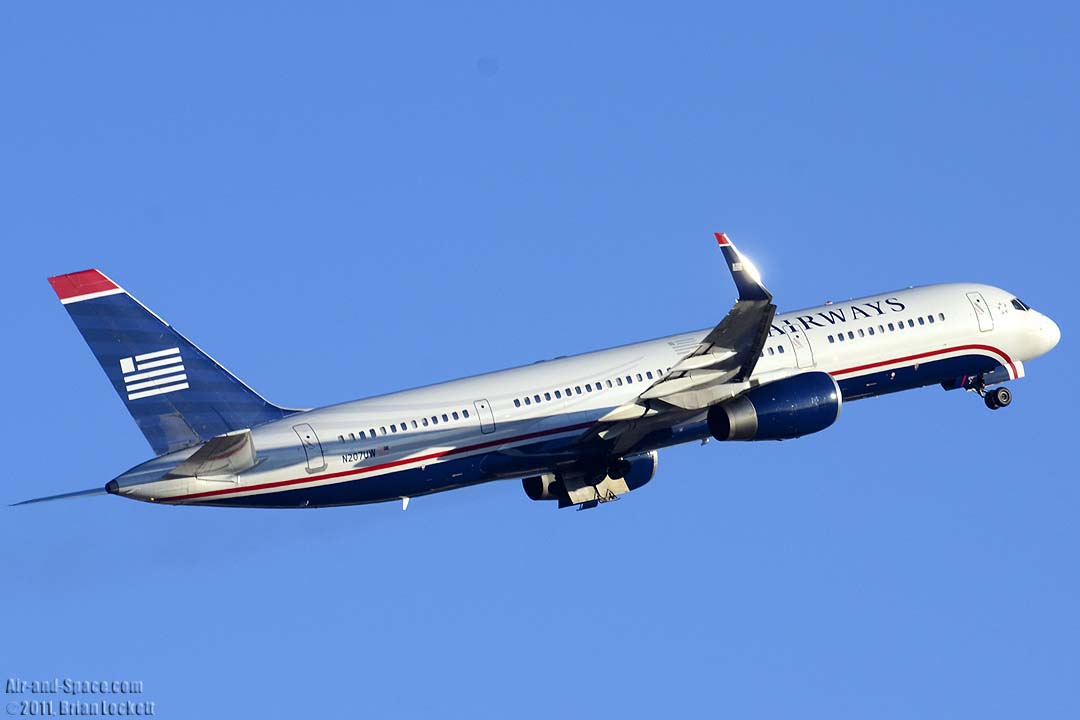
577 430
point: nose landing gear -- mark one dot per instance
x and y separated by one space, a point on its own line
997 398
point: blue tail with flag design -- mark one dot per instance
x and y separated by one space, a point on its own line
178 395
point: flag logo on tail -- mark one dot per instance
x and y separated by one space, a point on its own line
154 373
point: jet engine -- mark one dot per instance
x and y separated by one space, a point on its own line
788 408
544 487
573 486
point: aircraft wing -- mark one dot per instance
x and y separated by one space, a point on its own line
717 369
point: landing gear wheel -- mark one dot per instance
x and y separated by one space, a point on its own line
998 398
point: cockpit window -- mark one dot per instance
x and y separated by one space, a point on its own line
1019 304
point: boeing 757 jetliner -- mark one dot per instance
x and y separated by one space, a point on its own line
578 430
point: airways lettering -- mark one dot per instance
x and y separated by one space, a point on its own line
834 316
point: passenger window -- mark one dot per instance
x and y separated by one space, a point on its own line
577 389
649 375
588 387
425 422
840 337
382 430
517 403
870 330
862 333
639 377
881 329
941 317
780 349
341 438
372 432
558 393
629 380
930 319
850 335
362 435
465 413
547 396
890 327
456 416
404 427
413 423
435 418
831 339
536 399
618 381
393 428
567 392
770 351
921 321
445 418
910 323
608 383
528 401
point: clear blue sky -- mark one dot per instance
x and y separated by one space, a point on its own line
338 200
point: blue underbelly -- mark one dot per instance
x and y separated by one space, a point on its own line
526 459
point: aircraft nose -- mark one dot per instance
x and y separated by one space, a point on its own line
1051 332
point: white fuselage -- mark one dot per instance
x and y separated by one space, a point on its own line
488 426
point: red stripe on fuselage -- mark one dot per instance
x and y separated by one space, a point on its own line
919 356
543 433
373 468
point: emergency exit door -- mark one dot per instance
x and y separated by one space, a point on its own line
487 418
312 447
800 345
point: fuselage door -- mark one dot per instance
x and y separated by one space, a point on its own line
312 447
804 356
487 418
982 312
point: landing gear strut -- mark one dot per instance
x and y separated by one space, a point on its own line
997 398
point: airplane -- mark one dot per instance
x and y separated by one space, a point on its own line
578 431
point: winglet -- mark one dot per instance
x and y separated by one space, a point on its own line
746 277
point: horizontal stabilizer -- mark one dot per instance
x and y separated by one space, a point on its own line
228 454
64 496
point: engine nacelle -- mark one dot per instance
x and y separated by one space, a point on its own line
781 410
544 487
642 469
575 486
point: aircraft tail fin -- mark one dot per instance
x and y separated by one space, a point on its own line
177 394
